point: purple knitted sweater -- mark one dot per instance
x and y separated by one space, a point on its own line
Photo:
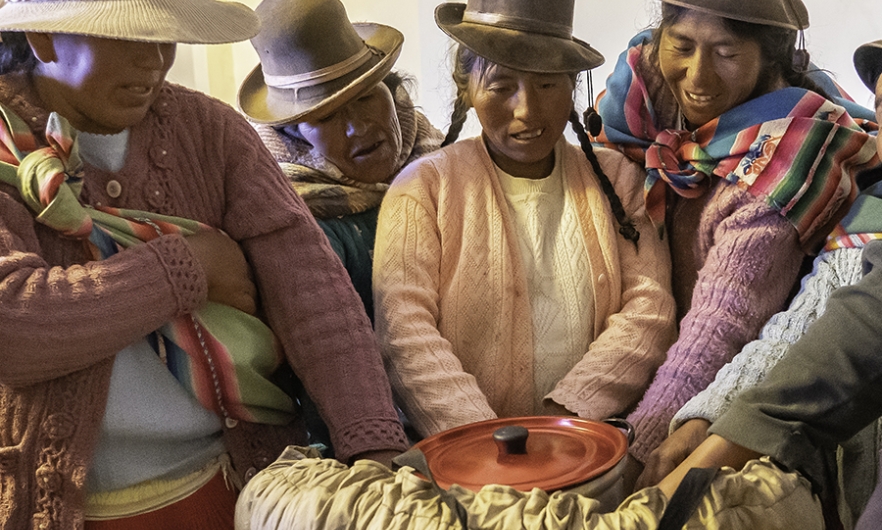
735 260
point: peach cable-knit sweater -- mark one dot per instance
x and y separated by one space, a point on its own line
451 300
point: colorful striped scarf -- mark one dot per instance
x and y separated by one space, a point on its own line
862 223
222 356
791 148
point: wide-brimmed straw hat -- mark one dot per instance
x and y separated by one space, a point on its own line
791 14
313 60
526 35
184 21
868 63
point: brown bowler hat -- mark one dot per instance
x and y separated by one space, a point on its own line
526 35
868 63
313 60
791 14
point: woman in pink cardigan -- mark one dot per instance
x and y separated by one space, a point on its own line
508 275
749 163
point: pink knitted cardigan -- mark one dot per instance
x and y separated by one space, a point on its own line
63 318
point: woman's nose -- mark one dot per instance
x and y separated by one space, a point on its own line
525 103
153 56
700 69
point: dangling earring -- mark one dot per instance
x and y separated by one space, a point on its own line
593 121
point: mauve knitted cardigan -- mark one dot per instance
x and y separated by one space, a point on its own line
735 260
64 318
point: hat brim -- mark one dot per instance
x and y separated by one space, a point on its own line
275 106
518 50
797 18
167 21
868 63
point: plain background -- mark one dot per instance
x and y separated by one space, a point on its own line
837 27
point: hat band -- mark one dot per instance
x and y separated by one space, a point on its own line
317 77
519 24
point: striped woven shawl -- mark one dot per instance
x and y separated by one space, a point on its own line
791 148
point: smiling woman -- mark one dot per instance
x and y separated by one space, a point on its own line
731 121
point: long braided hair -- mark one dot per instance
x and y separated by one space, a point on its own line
468 61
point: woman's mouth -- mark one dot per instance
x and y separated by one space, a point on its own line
528 135
699 99
366 151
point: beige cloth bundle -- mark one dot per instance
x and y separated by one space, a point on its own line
297 492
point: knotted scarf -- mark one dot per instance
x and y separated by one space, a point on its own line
791 148
222 356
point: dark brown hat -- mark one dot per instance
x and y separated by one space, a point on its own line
868 63
791 14
526 35
313 60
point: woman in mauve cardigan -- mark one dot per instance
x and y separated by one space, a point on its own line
65 316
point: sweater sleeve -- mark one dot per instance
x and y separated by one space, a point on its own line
433 388
750 367
308 299
827 387
60 319
620 362
752 262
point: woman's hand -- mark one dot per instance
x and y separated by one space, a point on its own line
226 269
715 451
673 451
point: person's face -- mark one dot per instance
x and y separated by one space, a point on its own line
522 114
362 138
709 69
100 85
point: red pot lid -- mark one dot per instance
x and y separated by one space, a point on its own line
560 452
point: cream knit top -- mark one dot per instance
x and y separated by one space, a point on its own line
555 259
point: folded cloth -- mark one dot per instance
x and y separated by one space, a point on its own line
316 494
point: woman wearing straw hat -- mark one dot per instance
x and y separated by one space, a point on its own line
749 165
122 401
337 119
826 388
508 275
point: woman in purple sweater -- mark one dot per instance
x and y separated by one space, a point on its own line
109 412
749 163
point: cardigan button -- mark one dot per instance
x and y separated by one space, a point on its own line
250 473
231 423
602 278
114 189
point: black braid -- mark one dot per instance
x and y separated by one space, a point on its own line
460 112
626 226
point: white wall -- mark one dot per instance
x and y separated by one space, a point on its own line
837 28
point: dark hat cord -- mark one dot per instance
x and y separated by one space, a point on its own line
801 57
593 121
